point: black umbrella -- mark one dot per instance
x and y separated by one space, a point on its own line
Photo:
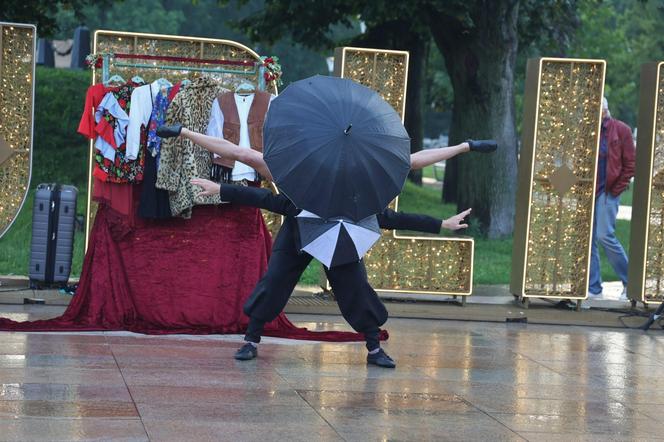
336 148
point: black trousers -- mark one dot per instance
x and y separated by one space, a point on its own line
358 301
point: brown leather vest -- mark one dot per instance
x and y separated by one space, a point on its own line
255 121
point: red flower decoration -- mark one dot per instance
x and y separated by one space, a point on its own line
122 102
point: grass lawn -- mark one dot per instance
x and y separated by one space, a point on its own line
626 197
493 258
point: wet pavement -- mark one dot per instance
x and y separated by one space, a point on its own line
453 381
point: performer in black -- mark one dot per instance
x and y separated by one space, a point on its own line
358 302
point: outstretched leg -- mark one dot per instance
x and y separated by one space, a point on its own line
221 147
361 307
427 157
229 150
271 294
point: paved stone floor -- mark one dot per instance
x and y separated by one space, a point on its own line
454 381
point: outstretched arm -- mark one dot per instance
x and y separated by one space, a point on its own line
392 220
247 196
229 150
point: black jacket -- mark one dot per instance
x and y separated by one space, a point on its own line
280 204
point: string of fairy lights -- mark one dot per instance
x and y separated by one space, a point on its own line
16 101
654 271
436 265
567 137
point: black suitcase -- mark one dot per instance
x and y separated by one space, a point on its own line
53 222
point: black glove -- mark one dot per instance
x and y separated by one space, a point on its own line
484 146
169 131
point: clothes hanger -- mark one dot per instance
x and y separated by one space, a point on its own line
115 79
245 88
185 82
162 82
138 79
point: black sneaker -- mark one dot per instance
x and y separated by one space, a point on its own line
381 359
483 146
169 131
247 352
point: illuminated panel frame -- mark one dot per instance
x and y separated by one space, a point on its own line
556 178
415 266
159 45
18 46
646 251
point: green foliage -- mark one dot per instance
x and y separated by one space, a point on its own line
204 18
59 155
42 13
626 33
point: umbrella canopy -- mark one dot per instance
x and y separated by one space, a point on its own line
336 148
336 242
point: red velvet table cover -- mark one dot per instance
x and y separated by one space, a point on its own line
173 276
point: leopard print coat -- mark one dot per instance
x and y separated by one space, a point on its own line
181 159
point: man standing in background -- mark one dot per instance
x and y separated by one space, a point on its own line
615 169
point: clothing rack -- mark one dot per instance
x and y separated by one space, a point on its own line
258 68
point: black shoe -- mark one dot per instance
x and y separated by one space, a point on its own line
169 131
247 352
483 146
381 359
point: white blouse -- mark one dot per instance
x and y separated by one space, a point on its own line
216 129
142 99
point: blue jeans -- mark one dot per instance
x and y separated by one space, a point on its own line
604 233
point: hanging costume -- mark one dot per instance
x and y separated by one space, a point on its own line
238 119
181 159
155 203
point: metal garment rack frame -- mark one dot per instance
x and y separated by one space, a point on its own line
258 71
102 39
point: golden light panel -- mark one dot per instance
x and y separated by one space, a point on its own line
646 251
556 178
400 263
164 45
17 98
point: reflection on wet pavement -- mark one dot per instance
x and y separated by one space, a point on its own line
454 381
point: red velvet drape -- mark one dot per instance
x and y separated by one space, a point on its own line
172 276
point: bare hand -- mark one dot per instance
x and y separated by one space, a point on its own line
455 222
209 187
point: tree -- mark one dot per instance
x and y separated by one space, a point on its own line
479 41
402 35
41 12
389 26
626 34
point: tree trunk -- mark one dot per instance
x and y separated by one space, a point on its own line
414 121
450 181
397 35
481 63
